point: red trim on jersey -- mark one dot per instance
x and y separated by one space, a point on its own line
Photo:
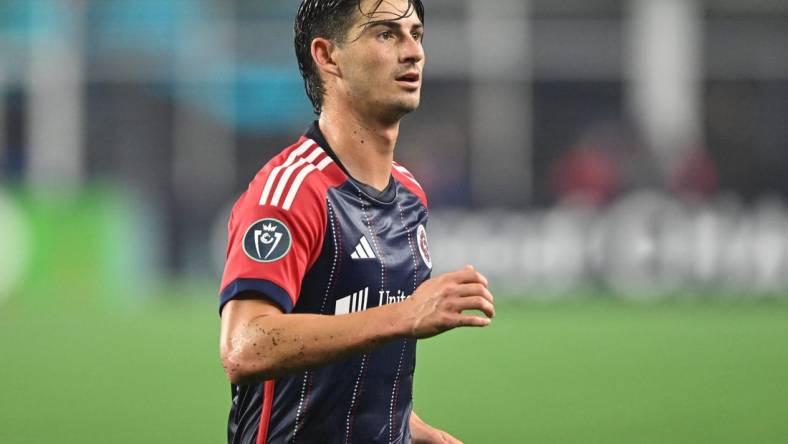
280 191
265 413
407 179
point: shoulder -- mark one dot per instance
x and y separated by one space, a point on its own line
408 180
294 181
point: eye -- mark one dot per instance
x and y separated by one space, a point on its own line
417 36
386 35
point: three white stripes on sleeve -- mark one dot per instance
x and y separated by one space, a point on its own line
294 161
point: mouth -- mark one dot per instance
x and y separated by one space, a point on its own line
411 79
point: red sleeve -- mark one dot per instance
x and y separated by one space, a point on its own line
271 248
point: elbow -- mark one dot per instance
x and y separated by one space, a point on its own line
246 366
246 356
236 372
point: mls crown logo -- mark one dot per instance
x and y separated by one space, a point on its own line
267 240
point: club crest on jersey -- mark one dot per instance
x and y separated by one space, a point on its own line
267 240
424 250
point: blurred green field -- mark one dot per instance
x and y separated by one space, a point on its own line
593 371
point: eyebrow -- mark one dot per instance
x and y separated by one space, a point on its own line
392 24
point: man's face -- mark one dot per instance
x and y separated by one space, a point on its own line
382 64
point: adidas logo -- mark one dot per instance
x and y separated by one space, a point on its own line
352 303
363 250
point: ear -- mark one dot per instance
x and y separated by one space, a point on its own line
324 55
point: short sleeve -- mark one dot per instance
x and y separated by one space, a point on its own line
270 249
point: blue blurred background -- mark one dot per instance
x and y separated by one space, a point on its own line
591 150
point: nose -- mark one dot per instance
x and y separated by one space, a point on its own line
412 51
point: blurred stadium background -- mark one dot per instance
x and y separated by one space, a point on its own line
619 169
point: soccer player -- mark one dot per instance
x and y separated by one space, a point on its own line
327 282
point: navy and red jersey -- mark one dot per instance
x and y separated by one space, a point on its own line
312 239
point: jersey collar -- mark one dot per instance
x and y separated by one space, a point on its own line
387 195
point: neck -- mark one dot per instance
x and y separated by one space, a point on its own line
365 146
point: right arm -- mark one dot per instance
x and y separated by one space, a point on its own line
259 342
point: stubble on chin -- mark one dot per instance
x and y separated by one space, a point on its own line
394 111
407 106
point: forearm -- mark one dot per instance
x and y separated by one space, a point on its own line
259 342
274 345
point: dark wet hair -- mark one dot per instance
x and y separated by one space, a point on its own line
330 19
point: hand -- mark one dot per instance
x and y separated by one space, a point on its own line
436 437
438 304
423 433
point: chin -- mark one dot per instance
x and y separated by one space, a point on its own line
407 106
407 109
395 110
